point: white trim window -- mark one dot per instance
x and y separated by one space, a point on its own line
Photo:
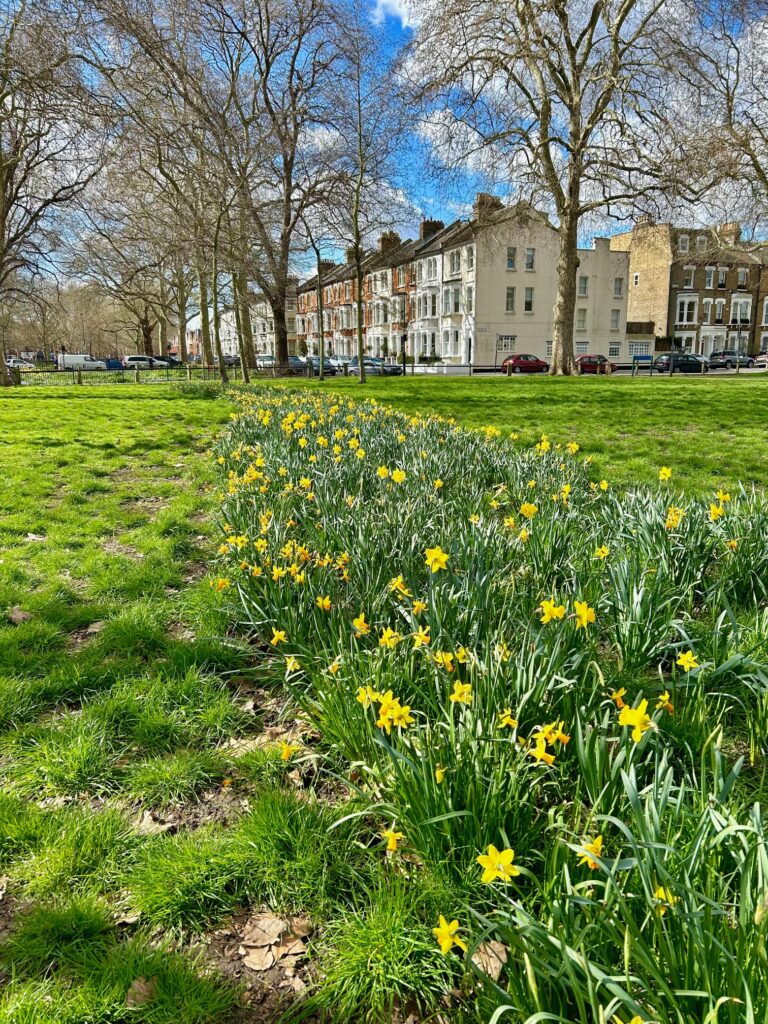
707 304
581 319
701 242
722 274
765 312
510 307
530 258
470 299
636 279
506 342
709 277
581 348
470 257
511 257
741 311
618 287
687 310
719 310
583 286
528 302
615 319
741 277
688 280
455 261
683 243
614 349
446 301
639 348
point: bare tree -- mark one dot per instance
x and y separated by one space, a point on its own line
567 101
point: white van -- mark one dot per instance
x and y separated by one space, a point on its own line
71 361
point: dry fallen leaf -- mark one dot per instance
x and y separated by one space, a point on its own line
17 615
147 826
35 536
263 930
259 959
490 957
4 880
141 991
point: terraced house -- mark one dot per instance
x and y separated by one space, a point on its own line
472 291
702 287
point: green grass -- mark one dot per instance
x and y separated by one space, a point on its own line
712 431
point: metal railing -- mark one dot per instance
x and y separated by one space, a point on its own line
138 375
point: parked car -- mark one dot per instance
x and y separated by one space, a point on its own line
762 360
313 362
296 366
14 363
113 364
522 362
376 367
727 358
339 361
145 363
594 364
682 362
230 360
79 361
265 362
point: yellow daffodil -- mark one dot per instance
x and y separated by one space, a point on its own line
291 663
731 544
447 935
663 703
674 517
382 472
715 511
524 535
528 510
366 696
393 839
539 750
438 484
637 719
665 473
506 720
462 655
444 659
439 774
278 637
509 522
421 637
723 497
601 552
687 661
583 614
398 476
572 447
389 638
618 698
287 750
323 603
418 607
593 848
665 900
436 558
462 693
603 485
397 585
362 628
401 715
497 865
551 611
220 584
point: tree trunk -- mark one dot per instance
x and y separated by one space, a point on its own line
281 334
181 315
565 300
239 329
147 330
360 309
205 320
216 330
163 336
240 292
320 314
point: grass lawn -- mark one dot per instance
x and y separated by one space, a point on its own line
195 813
713 431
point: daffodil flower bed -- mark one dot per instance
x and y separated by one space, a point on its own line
538 685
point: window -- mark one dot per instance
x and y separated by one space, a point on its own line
528 306
614 350
688 280
741 311
639 348
701 242
511 257
719 307
707 311
530 259
549 350
636 280
470 298
455 261
470 257
446 301
687 310
401 277
454 343
581 319
721 275
506 342
432 343
583 286
765 311
446 343
618 287
456 307
709 277
742 277
420 272
510 300
683 243
615 319
581 348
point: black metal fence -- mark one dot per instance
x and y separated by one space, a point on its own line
160 375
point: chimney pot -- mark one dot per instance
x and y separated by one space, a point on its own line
429 228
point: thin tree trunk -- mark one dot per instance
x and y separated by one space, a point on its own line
565 301
205 320
147 329
320 313
240 288
215 304
181 315
163 336
239 329
281 334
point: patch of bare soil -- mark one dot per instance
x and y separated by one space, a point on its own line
220 805
116 547
146 503
78 638
267 956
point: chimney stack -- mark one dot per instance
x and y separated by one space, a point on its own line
349 255
730 233
485 205
429 228
389 240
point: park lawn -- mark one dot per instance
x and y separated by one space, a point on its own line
712 431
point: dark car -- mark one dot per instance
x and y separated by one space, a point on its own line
375 367
727 358
594 364
114 364
313 362
524 363
682 362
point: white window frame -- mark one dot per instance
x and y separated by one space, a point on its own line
511 294
581 348
639 348
683 243
530 258
615 319
506 342
581 318
709 277
614 349
528 301
618 287
470 257
688 280
636 279
583 286
511 257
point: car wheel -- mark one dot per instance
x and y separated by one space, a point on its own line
750 363
729 365
515 369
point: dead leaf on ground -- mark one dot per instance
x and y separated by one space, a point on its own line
141 991
263 930
146 825
17 615
260 958
4 880
267 941
490 957
35 537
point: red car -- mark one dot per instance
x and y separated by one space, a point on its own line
594 364
523 363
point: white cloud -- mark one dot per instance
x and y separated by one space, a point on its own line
392 9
